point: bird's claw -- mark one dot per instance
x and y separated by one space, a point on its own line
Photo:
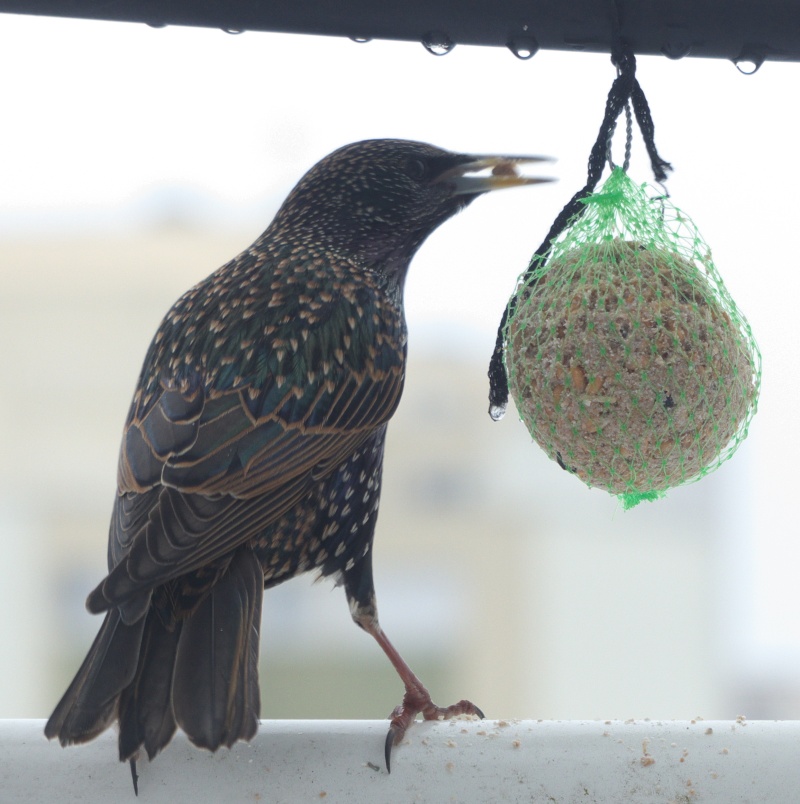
391 738
134 776
418 701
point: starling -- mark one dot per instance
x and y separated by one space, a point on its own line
253 449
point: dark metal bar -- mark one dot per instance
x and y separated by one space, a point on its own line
750 30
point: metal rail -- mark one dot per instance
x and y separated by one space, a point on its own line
741 30
591 762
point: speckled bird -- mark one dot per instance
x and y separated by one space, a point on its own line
253 449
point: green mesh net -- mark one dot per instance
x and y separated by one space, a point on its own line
628 360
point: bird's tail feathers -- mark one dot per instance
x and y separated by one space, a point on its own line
90 703
215 692
200 673
145 705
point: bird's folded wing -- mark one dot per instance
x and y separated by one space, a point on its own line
203 472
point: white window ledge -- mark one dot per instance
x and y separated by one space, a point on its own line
570 762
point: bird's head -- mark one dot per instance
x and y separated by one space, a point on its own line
377 200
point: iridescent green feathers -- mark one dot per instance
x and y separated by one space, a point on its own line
311 349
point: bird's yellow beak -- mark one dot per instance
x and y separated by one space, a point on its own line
480 174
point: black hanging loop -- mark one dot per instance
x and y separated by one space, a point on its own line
624 93
628 137
628 140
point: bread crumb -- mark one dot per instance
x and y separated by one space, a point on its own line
646 759
505 169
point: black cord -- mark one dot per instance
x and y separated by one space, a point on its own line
641 109
625 89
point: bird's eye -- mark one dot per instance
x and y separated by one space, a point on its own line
416 169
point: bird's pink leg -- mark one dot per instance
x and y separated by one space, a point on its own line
417 699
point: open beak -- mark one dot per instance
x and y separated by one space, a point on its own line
479 174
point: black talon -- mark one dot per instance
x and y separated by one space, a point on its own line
387 749
479 713
135 777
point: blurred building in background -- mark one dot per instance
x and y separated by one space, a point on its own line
499 577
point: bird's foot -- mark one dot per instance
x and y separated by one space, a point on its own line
417 700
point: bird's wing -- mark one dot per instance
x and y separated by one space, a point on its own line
202 471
